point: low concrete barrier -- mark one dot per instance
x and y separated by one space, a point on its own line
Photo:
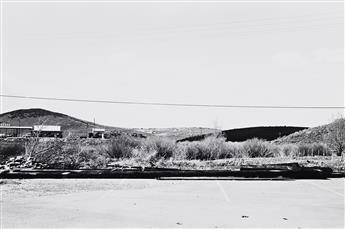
273 171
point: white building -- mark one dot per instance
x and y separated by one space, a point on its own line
47 131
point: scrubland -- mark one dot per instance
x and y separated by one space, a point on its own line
212 152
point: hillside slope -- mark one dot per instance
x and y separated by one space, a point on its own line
317 134
36 116
242 134
75 126
311 135
178 133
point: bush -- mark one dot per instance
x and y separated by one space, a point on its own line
43 151
320 149
93 157
210 148
8 150
258 148
122 146
335 138
315 149
164 148
72 154
54 154
156 149
199 151
69 155
217 148
288 150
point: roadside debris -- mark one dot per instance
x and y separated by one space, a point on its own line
20 162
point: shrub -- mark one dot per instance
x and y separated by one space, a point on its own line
164 148
216 148
209 149
43 151
10 150
234 150
54 154
288 150
258 148
303 150
335 138
190 149
315 149
320 149
122 146
157 149
70 155
93 157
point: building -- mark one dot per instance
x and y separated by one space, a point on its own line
7 130
97 133
47 131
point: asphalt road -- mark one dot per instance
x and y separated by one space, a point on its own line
172 203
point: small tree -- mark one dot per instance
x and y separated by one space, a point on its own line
335 138
31 146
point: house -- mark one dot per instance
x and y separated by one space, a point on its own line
6 130
47 131
97 133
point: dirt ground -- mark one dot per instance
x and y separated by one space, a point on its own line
172 203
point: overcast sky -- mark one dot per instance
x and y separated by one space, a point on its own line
288 54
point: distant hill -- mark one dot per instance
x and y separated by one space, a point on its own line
311 135
268 133
36 116
178 133
276 134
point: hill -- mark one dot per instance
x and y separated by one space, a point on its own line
311 135
37 116
178 133
268 133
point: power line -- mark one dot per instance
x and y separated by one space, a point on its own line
171 104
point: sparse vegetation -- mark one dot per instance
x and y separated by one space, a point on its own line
259 148
336 136
315 149
70 155
155 151
74 153
10 150
122 146
210 148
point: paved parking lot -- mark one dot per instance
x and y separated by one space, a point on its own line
172 203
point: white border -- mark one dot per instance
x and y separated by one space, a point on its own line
1 59
1 104
131 1
173 1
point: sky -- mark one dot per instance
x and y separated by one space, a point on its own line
253 53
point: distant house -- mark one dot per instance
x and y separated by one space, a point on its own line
6 130
47 131
97 133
